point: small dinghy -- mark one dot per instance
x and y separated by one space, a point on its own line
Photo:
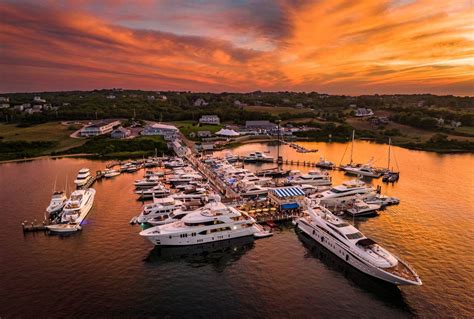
64 228
261 232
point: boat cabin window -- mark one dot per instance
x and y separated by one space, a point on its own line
354 235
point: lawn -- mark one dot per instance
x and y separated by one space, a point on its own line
50 132
186 127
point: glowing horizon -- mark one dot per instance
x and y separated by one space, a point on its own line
335 47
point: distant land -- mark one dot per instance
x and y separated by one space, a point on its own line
38 124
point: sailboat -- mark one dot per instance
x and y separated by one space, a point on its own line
390 176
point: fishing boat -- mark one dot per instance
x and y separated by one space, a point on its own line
58 200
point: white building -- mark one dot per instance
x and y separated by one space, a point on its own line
110 97
169 132
4 99
99 128
210 119
38 99
4 106
200 102
361 112
120 132
179 149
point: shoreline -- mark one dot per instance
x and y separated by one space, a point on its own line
236 144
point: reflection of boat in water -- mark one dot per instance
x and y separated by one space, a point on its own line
219 252
383 291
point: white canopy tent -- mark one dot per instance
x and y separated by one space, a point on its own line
227 132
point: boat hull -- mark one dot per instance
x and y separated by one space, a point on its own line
176 240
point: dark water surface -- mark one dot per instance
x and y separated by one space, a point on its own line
109 270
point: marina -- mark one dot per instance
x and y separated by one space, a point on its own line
265 211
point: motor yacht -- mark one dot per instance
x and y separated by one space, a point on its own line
177 162
83 176
325 164
109 173
158 191
184 178
147 182
382 200
258 157
153 173
360 208
254 191
159 207
311 189
58 200
213 222
315 178
350 245
78 206
346 193
132 168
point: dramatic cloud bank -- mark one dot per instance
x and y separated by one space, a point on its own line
333 46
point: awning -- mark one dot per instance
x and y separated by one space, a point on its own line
290 206
284 192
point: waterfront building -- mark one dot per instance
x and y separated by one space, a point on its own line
260 125
287 198
99 128
169 132
120 132
210 119
362 112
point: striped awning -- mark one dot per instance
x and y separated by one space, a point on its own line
284 192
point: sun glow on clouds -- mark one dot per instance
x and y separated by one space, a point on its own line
334 46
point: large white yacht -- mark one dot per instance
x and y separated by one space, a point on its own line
346 242
83 176
210 223
159 207
78 206
184 178
345 193
313 177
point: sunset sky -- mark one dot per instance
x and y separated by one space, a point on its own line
328 46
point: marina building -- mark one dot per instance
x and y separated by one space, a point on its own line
169 132
260 125
120 132
286 198
210 119
99 128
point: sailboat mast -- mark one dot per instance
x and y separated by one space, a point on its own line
352 147
389 144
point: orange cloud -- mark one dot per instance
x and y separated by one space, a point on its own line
336 46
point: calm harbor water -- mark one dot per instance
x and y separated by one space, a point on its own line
108 270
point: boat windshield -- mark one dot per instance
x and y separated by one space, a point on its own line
356 235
